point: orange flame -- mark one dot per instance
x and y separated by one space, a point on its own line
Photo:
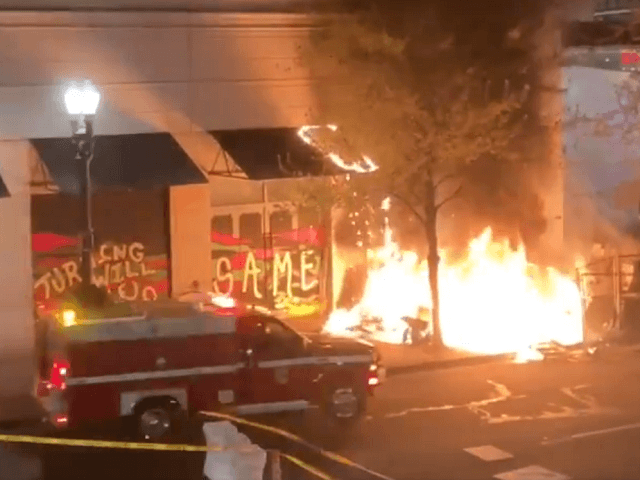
492 301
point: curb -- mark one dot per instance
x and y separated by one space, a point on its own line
446 364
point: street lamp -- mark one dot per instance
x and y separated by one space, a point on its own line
81 101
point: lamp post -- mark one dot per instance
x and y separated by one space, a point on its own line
81 101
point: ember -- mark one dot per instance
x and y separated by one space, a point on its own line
492 301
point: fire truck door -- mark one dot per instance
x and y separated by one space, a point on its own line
277 374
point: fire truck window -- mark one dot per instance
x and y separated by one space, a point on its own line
222 224
278 332
251 228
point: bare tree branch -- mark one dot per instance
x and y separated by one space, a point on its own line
449 198
409 206
446 178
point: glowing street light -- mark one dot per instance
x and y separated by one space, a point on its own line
81 101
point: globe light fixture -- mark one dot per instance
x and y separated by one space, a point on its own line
82 98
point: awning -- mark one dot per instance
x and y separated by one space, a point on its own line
139 161
4 191
272 153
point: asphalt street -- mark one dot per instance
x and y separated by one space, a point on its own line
554 419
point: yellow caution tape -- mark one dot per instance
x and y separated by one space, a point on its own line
106 444
307 467
330 455
141 446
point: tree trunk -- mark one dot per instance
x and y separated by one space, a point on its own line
433 259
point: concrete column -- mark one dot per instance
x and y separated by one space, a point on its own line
17 323
190 221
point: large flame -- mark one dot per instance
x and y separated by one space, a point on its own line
491 301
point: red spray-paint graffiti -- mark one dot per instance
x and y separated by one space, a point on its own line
123 269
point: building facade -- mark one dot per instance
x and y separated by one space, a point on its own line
185 76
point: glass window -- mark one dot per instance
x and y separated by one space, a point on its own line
278 331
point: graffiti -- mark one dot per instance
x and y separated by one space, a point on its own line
307 263
286 276
123 269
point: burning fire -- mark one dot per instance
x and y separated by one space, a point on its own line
492 301
363 165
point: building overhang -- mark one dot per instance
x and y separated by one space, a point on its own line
133 162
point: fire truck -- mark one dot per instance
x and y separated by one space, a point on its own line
155 368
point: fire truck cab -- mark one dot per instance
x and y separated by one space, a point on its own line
168 360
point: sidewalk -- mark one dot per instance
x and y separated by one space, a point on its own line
398 359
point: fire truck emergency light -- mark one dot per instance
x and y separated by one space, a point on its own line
68 318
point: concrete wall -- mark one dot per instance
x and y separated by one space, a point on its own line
17 327
190 235
603 181
178 72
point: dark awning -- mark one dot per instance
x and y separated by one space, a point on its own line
138 161
271 153
4 191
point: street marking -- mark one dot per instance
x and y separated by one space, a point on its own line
488 453
594 433
532 472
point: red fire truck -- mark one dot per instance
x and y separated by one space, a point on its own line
173 359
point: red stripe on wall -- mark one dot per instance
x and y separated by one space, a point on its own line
48 242
226 239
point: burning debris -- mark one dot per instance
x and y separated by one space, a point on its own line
493 300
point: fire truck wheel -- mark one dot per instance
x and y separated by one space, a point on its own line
345 405
158 420
154 424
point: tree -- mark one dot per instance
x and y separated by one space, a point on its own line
423 110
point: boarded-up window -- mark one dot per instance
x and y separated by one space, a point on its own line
131 245
251 228
222 224
281 221
308 217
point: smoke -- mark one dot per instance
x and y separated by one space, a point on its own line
499 194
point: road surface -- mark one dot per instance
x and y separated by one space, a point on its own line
556 419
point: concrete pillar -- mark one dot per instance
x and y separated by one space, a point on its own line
190 226
17 323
